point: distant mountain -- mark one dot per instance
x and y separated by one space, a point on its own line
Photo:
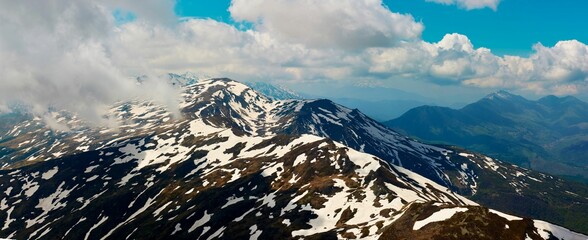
184 79
240 164
380 103
273 91
380 109
550 134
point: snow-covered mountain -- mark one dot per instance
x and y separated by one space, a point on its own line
238 164
222 102
185 79
273 91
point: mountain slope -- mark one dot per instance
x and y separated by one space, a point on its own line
232 107
208 180
203 188
549 134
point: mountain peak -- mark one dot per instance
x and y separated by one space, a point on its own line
501 94
273 91
552 99
186 79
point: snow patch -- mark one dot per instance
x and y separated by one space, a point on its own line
49 174
544 228
506 216
200 222
438 216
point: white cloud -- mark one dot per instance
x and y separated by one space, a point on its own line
451 68
407 58
456 42
4 109
153 11
470 4
561 69
59 54
347 24
566 61
213 48
452 59
53 124
74 55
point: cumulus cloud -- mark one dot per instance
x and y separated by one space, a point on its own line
213 48
561 69
76 56
567 61
452 59
59 54
470 4
347 24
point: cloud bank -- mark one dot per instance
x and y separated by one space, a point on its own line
60 54
347 24
561 69
75 55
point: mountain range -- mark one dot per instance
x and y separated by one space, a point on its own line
238 164
272 91
549 134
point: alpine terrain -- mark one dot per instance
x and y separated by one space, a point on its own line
549 134
236 164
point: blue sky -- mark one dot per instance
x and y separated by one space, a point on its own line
217 9
511 29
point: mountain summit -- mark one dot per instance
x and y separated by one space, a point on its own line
501 94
